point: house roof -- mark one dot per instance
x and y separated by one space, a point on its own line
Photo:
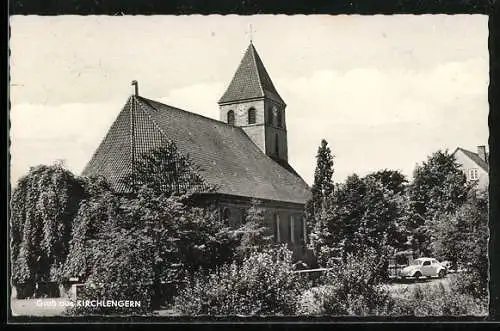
226 156
251 80
474 157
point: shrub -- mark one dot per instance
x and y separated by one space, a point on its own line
349 288
262 285
121 271
437 300
472 283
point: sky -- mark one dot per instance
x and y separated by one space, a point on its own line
384 91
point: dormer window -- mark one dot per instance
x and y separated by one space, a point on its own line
473 174
230 117
251 116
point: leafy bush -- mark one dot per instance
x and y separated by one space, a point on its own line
349 288
262 285
437 300
472 283
121 270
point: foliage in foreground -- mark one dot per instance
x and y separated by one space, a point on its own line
263 284
350 288
348 291
437 300
120 272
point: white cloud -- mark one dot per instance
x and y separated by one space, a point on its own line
381 98
372 118
42 134
376 118
199 98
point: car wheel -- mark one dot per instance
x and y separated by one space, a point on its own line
417 275
441 273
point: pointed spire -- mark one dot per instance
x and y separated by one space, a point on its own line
251 80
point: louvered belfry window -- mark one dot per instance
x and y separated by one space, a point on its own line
251 116
230 117
279 119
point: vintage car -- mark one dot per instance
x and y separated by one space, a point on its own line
424 267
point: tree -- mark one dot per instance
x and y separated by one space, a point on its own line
42 206
98 214
363 213
320 239
164 171
371 212
463 237
253 235
439 187
171 237
323 186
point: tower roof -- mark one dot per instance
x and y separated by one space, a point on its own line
251 80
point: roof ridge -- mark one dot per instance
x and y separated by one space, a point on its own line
256 67
146 100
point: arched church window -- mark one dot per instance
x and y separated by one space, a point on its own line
276 145
251 116
279 119
230 117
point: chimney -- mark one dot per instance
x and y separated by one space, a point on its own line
136 85
481 151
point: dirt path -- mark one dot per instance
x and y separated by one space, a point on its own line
38 307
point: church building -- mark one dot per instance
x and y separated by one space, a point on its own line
244 154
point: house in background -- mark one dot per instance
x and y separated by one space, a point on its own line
244 154
474 165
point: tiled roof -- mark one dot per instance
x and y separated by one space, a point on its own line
475 157
227 157
251 80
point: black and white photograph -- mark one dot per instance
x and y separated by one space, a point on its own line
252 166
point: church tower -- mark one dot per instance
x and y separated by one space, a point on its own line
252 103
